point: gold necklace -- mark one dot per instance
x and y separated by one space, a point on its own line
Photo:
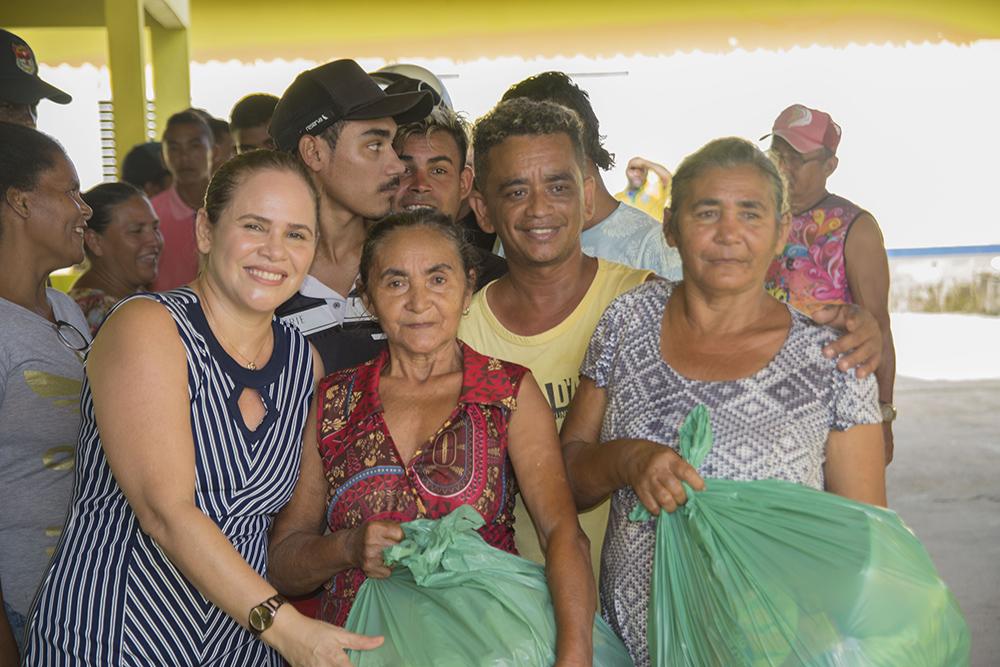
250 365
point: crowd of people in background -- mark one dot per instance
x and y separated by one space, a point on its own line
349 307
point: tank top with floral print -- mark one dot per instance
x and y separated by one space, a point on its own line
812 271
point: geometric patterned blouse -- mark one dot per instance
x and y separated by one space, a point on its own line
772 424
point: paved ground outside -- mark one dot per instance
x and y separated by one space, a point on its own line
945 479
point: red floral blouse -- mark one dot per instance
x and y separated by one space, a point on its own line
464 463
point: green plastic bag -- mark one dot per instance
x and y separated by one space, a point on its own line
453 600
770 573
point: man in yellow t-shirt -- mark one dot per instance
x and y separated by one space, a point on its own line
646 194
532 192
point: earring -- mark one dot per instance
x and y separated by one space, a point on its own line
465 312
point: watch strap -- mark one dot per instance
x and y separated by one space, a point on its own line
262 616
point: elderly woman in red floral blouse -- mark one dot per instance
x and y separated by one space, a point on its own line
428 425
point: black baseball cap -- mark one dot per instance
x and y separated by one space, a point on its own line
337 91
19 80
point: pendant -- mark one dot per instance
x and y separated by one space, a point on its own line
252 366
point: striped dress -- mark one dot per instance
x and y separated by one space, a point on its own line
112 597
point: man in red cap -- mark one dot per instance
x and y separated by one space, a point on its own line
20 86
834 252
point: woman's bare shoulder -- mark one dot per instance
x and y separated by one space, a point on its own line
140 326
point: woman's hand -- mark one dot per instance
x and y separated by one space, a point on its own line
305 642
655 473
367 542
597 468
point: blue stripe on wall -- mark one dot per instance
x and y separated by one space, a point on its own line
944 250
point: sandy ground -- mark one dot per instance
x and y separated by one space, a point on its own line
945 479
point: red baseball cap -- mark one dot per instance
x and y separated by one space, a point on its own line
806 130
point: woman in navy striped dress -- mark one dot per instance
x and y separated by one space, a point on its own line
193 410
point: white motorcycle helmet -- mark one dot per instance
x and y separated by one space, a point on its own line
404 77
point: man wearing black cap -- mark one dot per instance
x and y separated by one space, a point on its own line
341 124
20 86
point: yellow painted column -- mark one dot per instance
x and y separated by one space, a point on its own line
126 60
171 72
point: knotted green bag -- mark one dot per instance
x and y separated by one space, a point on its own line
770 573
454 601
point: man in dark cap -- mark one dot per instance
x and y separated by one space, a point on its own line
340 124
20 86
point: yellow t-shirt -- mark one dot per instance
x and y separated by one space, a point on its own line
651 199
554 358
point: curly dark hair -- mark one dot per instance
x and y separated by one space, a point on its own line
522 117
559 88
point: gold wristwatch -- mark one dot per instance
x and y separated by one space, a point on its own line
888 412
262 616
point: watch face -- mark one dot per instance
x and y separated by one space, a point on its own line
261 618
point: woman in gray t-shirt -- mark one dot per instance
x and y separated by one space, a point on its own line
42 337
779 406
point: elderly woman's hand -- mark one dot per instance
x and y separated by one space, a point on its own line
366 543
861 346
655 473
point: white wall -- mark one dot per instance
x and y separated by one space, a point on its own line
920 148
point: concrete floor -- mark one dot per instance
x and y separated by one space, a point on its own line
945 484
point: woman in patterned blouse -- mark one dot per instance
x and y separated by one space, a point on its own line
779 406
123 244
427 426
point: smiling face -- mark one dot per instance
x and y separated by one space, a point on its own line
187 152
130 246
417 289
260 249
434 176
57 215
727 230
535 198
361 175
